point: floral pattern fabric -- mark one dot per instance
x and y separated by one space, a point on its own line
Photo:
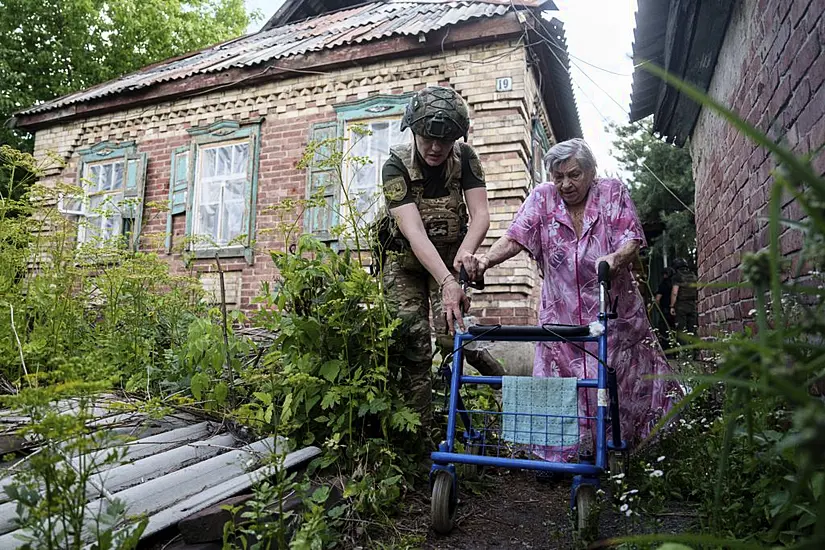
570 295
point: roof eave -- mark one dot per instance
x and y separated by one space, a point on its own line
461 35
688 49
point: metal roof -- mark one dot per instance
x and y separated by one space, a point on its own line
171 468
359 24
684 37
296 10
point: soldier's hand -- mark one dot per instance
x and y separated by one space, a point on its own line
455 304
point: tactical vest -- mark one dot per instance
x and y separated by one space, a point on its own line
445 218
686 298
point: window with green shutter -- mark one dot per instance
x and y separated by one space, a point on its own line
540 146
380 116
214 183
109 206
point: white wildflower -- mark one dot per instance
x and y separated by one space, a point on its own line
628 513
618 476
657 473
623 497
624 508
661 458
751 312
632 491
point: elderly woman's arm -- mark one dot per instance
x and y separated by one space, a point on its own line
621 257
479 224
503 249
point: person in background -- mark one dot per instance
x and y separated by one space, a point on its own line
665 318
436 194
569 227
683 298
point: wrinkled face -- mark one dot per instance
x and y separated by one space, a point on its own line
433 151
572 182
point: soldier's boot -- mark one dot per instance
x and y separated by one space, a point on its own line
484 362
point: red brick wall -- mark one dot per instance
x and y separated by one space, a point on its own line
282 145
771 71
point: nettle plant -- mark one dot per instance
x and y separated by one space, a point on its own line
331 376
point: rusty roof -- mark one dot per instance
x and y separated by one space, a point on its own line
364 23
297 10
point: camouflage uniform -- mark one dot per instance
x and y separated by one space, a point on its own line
685 306
410 289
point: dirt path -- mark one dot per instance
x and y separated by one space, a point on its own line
509 510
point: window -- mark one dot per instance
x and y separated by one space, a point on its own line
540 147
111 203
104 192
370 139
220 202
213 184
381 116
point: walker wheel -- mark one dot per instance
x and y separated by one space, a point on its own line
471 472
586 513
617 462
443 503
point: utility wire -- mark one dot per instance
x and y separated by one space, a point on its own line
550 42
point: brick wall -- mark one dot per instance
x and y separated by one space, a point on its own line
771 71
500 133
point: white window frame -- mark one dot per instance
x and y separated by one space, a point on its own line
349 170
110 202
199 243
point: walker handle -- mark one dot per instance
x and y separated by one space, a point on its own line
604 274
464 280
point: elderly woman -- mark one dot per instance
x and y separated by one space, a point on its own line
568 227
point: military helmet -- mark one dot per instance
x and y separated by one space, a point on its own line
437 112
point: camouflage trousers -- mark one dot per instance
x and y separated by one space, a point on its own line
414 295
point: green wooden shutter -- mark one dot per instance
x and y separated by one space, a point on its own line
251 193
322 180
133 190
178 188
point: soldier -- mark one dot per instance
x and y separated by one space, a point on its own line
436 195
683 297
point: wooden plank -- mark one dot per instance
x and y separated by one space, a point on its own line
138 449
163 492
128 475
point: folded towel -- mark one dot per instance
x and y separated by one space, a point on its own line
540 411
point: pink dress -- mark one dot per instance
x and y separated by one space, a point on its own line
570 295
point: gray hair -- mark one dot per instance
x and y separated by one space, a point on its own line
575 148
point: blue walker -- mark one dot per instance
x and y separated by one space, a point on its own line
483 446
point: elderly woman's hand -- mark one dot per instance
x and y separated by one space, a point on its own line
611 261
475 265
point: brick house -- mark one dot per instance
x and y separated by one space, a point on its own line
763 59
218 133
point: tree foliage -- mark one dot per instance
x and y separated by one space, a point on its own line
49 48
648 160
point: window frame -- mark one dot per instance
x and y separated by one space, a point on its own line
219 134
538 139
347 172
132 188
376 107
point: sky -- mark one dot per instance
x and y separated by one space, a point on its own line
599 34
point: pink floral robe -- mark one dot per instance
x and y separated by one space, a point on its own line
570 295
